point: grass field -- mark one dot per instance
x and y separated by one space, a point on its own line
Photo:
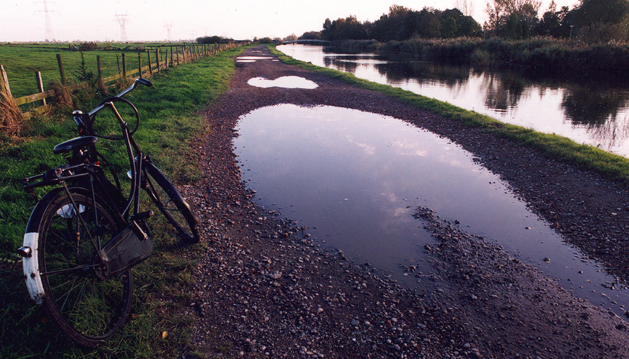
21 61
169 125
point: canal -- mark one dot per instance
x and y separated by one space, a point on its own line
593 113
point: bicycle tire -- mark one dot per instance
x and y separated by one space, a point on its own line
86 307
170 202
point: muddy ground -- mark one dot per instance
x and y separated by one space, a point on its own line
264 288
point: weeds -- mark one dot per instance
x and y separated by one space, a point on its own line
11 117
63 99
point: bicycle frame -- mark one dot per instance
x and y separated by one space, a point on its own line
83 173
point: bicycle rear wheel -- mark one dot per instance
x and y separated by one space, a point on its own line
86 307
170 202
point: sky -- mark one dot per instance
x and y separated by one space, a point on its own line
160 20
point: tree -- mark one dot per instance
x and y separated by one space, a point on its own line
512 18
591 12
601 20
344 29
466 7
554 23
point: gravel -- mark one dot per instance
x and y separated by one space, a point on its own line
264 288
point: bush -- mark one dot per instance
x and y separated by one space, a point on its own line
480 58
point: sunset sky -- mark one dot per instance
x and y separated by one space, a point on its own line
91 20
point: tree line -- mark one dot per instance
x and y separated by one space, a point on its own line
588 20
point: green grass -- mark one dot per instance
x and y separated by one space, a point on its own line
613 167
169 127
21 61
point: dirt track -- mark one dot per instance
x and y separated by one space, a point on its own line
264 289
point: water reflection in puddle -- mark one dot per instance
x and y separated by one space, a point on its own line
253 58
355 178
284 81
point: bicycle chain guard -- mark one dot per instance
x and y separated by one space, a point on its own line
130 247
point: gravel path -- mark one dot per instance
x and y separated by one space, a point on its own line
263 288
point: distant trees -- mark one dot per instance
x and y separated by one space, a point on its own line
344 29
513 19
310 35
214 40
590 20
401 24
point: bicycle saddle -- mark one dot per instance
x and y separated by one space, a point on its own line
74 143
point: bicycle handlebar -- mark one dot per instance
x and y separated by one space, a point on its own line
137 81
79 117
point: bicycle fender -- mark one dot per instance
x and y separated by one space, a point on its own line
31 268
30 264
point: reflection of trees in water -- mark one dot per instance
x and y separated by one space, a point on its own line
597 111
594 106
340 64
503 91
422 71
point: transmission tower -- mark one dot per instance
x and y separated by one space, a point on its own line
50 35
122 20
169 28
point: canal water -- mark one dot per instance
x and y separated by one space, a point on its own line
354 180
593 113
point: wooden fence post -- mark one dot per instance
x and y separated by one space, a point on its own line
140 63
157 57
61 71
4 82
40 85
124 66
148 53
100 71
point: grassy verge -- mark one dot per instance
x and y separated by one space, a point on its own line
611 166
168 129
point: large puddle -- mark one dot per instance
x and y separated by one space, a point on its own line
355 178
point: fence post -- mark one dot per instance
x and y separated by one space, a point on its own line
148 53
166 58
100 71
124 66
157 57
4 82
40 85
61 71
140 63
172 63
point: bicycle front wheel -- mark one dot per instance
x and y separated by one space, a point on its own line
86 306
170 202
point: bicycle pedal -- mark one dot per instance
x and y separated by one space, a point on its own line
142 215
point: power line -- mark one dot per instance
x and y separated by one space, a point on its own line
169 28
50 35
122 20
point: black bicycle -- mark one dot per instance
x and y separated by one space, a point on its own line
84 236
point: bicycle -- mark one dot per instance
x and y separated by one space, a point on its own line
84 236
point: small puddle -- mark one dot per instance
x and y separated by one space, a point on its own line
284 81
253 58
355 179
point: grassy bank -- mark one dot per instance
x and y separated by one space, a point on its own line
168 129
611 166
